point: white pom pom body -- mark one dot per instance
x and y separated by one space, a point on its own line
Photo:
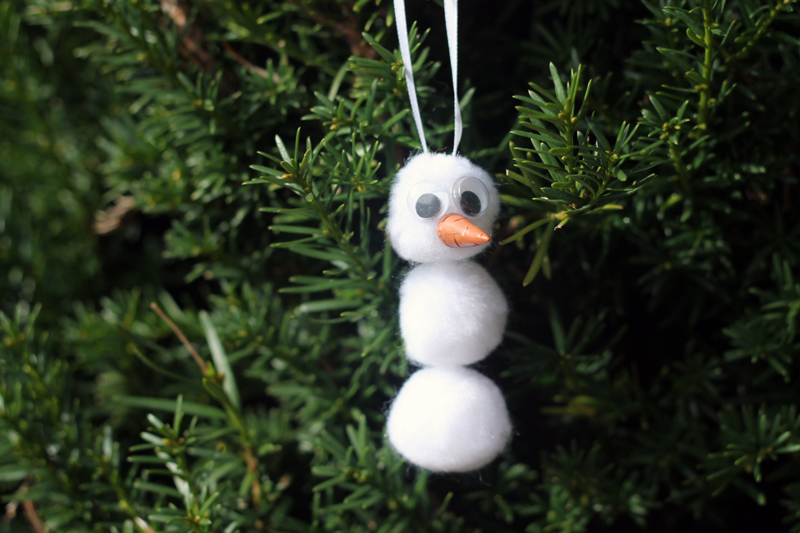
415 238
451 313
449 419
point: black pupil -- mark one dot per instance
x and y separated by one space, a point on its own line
428 205
470 203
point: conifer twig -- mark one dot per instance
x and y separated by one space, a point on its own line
30 509
248 65
705 91
349 29
191 46
33 516
199 360
249 455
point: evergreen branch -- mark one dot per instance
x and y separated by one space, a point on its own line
30 509
753 438
320 199
680 167
192 35
178 333
159 58
333 231
126 503
248 65
226 395
544 244
573 175
753 37
705 86
247 25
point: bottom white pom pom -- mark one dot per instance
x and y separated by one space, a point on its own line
449 419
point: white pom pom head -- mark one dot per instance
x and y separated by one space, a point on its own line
449 419
441 208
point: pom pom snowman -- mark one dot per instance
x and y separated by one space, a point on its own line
446 417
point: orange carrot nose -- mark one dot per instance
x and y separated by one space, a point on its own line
458 232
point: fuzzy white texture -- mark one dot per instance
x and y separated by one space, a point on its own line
451 313
415 239
449 419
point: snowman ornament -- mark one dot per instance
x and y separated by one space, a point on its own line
446 417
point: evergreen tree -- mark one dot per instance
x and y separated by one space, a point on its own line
198 327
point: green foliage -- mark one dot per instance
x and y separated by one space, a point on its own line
770 334
226 165
48 186
570 174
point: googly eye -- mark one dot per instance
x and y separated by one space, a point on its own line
427 199
471 196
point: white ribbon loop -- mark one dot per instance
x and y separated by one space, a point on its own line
451 23
408 67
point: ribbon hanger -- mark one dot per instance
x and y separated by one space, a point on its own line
451 23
